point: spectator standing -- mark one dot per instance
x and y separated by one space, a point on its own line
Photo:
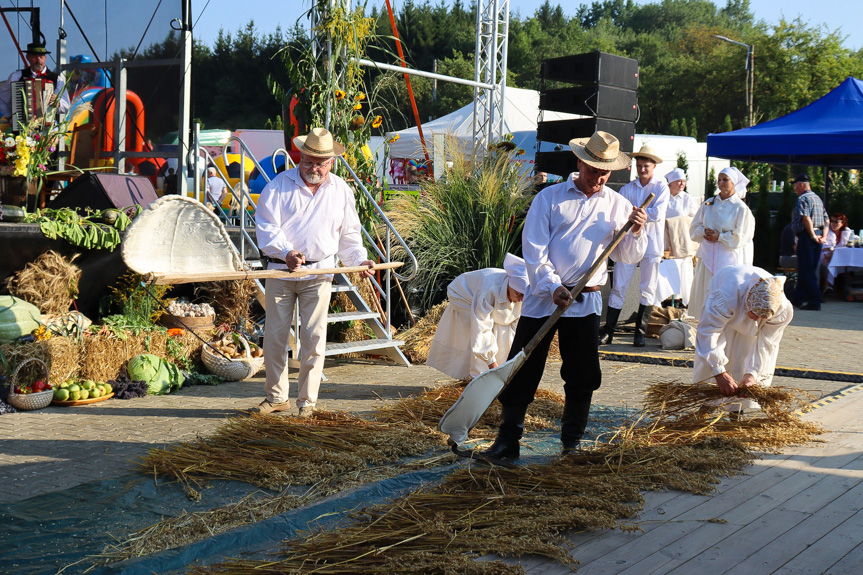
810 225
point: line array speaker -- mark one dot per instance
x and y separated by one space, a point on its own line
562 131
592 68
592 100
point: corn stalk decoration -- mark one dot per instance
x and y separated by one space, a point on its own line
328 84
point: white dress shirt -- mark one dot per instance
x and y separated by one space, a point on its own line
321 225
564 233
655 227
681 205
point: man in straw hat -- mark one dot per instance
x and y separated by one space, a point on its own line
36 56
305 216
636 191
567 227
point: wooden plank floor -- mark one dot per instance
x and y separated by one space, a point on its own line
796 512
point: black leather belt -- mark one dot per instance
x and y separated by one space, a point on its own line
580 298
268 260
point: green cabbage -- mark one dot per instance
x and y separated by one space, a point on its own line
161 375
17 318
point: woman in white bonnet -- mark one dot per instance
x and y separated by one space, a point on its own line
725 227
475 332
742 322
680 203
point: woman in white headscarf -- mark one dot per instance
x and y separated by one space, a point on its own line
741 325
476 330
725 227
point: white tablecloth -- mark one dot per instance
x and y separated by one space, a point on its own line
842 260
675 277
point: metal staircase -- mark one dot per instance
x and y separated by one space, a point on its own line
241 219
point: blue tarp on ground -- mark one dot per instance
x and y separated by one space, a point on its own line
827 132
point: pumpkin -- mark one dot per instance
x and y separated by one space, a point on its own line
17 318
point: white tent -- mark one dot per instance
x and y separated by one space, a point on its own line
521 114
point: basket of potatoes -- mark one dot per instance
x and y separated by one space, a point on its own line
232 357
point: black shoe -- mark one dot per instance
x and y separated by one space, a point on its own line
502 448
606 334
641 321
570 447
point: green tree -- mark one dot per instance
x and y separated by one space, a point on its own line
674 128
682 163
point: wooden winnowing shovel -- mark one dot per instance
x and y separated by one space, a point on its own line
480 393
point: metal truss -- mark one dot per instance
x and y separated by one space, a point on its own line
492 43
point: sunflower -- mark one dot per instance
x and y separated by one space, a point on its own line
357 122
376 123
358 106
340 94
393 139
360 97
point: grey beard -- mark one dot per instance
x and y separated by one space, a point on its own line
312 178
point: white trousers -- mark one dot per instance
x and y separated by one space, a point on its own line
623 275
312 298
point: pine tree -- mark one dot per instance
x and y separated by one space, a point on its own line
726 124
682 163
693 128
674 129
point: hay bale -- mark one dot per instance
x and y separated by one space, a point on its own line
105 355
62 356
50 282
418 339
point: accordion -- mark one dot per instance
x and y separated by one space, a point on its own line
30 99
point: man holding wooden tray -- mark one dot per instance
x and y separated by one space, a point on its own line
305 217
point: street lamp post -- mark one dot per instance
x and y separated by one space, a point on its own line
750 75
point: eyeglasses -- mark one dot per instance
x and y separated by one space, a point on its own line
835 221
320 165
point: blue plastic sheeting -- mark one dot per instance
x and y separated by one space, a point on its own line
46 533
827 132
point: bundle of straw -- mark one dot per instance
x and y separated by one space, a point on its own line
510 512
105 355
61 354
275 452
50 282
428 408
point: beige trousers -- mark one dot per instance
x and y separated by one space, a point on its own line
312 298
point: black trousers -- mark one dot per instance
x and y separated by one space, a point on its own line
579 349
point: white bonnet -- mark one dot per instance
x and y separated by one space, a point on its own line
516 272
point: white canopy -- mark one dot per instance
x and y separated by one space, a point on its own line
521 114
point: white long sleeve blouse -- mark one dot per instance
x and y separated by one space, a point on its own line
564 232
681 205
724 310
483 294
736 227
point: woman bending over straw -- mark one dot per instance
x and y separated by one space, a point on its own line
476 330
737 341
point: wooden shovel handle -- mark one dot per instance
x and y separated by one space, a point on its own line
549 323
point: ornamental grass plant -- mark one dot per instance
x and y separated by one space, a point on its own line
467 220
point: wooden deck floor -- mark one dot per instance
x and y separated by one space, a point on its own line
796 512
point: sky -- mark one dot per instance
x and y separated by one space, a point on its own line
130 22
846 15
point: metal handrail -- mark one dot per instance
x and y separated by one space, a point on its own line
390 227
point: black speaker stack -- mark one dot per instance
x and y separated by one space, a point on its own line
604 90
98 191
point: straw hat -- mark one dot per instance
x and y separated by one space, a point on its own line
647 152
601 150
319 144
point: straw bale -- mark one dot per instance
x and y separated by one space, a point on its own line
61 354
105 355
418 339
50 282
231 300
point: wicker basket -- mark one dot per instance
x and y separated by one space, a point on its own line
29 401
232 369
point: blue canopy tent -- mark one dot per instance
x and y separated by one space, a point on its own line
828 132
